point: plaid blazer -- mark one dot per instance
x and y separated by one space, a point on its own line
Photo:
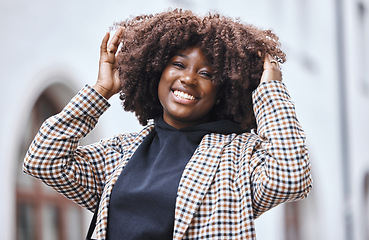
229 181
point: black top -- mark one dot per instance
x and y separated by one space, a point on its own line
142 203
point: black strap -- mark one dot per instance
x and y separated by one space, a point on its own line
93 223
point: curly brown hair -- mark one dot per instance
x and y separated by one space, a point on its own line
235 50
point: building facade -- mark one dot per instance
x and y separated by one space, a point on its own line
50 49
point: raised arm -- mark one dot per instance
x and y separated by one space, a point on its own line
55 156
280 168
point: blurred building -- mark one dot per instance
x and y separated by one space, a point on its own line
50 49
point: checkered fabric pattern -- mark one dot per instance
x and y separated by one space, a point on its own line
229 181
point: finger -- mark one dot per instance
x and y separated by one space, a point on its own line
274 63
270 62
267 63
115 41
103 47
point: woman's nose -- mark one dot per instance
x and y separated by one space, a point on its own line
189 79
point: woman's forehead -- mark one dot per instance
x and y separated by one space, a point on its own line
191 52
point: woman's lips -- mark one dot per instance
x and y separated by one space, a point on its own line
183 95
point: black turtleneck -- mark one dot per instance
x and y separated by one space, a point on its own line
142 203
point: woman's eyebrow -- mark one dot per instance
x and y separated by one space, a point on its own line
185 56
181 55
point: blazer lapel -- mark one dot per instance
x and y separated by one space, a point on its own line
195 181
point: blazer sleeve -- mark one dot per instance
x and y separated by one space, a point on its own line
279 167
56 158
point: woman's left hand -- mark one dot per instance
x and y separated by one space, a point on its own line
272 70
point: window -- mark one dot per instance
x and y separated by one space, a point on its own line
41 212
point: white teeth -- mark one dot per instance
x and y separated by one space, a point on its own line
184 95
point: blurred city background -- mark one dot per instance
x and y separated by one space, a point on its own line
50 49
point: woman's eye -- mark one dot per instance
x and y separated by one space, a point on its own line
206 74
178 64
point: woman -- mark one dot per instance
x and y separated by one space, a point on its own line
221 143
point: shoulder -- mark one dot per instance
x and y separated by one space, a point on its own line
123 141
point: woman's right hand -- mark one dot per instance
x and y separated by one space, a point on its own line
272 70
108 82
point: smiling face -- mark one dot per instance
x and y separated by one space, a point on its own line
185 90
